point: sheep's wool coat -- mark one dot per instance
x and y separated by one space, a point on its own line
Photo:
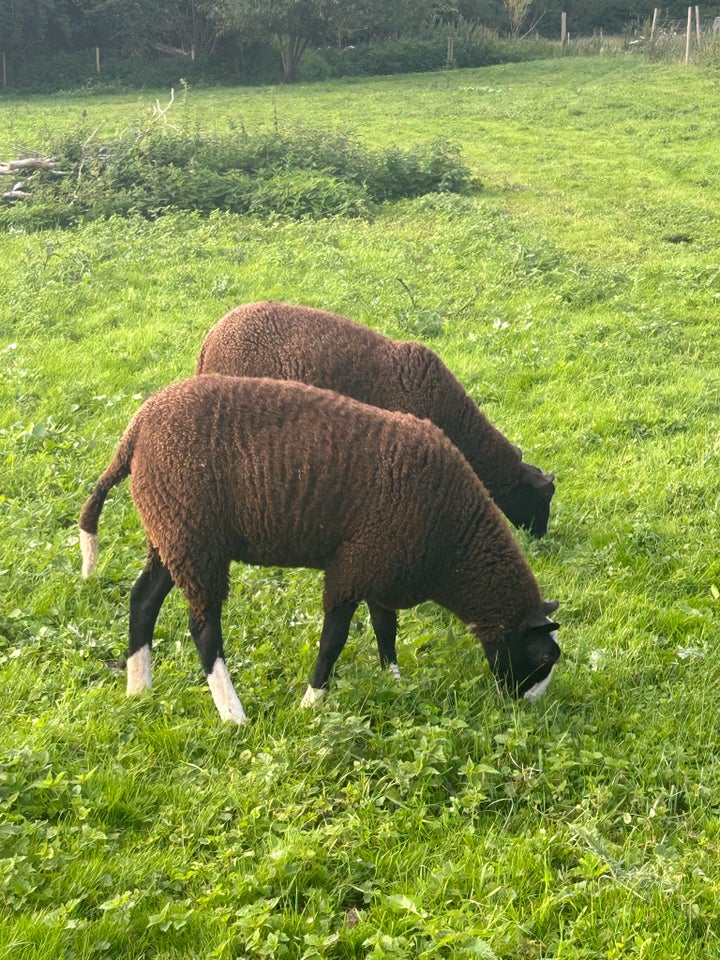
278 473
290 342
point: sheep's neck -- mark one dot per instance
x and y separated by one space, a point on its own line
491 455
491 588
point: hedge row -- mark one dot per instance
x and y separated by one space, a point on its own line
260 63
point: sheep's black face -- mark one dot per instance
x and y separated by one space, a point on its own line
523 665
528 504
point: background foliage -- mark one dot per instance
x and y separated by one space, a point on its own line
50 44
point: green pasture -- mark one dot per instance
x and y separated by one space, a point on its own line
576 293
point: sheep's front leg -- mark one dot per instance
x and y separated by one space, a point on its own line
207 634
146 598
384 623
332 640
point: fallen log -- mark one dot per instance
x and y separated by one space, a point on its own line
15 195
31 165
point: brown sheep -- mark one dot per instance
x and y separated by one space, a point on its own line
287 342
283 474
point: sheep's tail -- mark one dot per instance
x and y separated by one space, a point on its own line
118 469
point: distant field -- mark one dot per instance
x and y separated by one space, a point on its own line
577 295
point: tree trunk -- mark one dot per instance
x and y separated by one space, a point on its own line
292 49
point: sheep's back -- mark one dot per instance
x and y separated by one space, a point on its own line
316 347
286 473
327 350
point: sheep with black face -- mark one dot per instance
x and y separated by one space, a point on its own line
289 342
283 474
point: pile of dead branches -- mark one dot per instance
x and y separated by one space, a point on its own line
22 188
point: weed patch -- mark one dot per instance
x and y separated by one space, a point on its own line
304 173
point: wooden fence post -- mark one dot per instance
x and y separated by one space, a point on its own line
97 59
656 11
4 69
688 35
450 53
563 28
697 23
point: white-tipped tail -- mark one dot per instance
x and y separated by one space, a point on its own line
89 550
223 692
139 671
312 696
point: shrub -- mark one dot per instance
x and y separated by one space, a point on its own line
301 173
472 47
256 62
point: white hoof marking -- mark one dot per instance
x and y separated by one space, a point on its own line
312 696
394 670
139 671
89 551
223 693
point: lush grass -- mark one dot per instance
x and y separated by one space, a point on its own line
577 296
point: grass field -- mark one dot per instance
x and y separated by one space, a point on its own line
577 295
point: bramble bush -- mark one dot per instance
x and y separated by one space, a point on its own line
299 173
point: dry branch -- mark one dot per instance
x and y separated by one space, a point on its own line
15 195
172 51
32 164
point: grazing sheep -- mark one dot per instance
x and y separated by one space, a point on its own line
283 474
287 342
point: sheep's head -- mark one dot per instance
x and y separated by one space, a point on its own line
524 662
527 505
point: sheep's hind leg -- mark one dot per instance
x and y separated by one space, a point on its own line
207 634
384 623
332 640
146 599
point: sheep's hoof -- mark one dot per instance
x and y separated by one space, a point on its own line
394 669
139 671
223 693
239 719
312 696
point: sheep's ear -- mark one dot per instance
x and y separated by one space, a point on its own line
540 480
536 478
539 620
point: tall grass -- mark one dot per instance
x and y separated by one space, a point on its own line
577 297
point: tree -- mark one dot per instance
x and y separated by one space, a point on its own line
134 26
517 11
293 23
380 19
33 25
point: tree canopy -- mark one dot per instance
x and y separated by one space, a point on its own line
32 29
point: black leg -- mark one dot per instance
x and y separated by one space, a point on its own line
384 623
207 633
146 599
332 640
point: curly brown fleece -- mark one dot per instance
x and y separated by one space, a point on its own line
279 473
285 341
